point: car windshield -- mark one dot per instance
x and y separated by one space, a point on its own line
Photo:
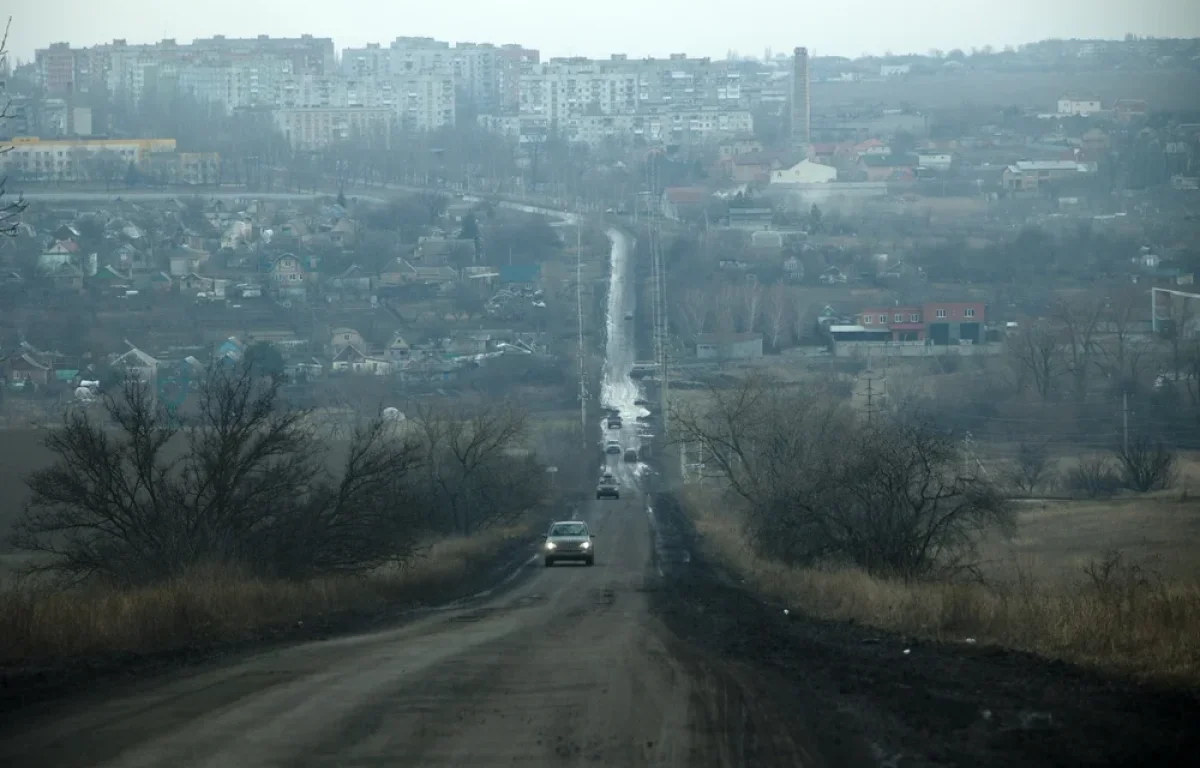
569 529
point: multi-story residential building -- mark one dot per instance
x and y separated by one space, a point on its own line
425 102
679 126
477 68
252 83
372 61
315 127
513 61
568 89
123 67
55 67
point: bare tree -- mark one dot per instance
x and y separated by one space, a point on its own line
1123 348
139 499
777 317
725 305
1093 476
10 209
1180 313
1146 464
694 310
1080 318
751 305
477 471
1037 357
1032 467
816 483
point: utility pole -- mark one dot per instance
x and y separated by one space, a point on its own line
583 420
870 393
1125 422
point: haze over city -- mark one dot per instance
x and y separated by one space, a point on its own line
646 386
697 27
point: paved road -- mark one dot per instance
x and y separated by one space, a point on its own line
109 197
567 668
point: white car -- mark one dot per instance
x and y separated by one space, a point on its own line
613 447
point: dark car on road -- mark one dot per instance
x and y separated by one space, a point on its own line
569 540
608 489
631 455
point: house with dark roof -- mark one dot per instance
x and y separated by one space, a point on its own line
680 202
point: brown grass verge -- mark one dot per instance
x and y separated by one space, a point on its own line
214 605
1124 618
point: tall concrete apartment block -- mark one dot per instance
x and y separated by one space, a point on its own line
801 111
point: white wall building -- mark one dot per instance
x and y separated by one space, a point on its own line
1077 107
805 172
938 161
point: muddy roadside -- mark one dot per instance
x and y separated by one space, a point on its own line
26 685
916 703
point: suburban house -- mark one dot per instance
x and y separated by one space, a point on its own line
935 161
805 172
888 167
353 360
186 259
135 364
346 337
25 367
758 166
398 350
729 346
1125 110
289 276
731 149
681 202
751 218
1028 175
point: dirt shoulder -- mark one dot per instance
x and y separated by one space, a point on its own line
920 703
23 685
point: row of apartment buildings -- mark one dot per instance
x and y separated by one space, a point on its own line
417 83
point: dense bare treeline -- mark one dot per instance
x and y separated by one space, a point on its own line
137 497
818 484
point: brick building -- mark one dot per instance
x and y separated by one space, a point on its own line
942 322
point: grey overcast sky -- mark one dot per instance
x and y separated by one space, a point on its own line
636 27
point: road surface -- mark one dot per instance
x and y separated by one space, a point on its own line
568 667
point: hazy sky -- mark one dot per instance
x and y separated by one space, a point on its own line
600 27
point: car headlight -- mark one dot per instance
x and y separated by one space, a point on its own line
551 545
586 545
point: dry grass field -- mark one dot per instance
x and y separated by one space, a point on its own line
1161 90
212 605
1057 589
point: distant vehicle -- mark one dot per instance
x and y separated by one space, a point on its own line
628 315
641 402
607 489
631 455
613 447
614 422
569 540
